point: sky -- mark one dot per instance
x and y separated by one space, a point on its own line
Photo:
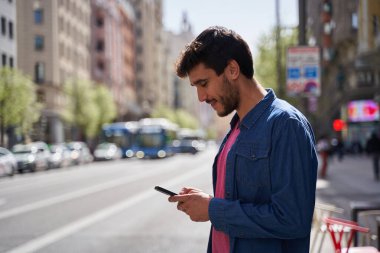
249 18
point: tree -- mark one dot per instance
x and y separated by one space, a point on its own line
106 106
181 117
88 106
18 101
266 70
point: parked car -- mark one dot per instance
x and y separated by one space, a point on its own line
107 151
31 157
60 156
79 152
8 162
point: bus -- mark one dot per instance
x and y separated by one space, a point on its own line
155 138
123 134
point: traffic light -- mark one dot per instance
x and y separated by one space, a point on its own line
339 125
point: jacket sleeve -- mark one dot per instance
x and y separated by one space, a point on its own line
288 213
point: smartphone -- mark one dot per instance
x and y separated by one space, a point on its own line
164 191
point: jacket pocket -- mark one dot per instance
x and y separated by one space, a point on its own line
252 169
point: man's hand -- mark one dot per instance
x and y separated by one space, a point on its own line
193 202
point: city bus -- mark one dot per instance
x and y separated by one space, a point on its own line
155 138
123 134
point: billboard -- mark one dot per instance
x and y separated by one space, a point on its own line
363 111
303 72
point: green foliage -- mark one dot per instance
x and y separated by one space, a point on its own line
88 106
18 101
265 62
181 117
106 106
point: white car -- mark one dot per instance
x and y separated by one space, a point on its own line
107 151
8 163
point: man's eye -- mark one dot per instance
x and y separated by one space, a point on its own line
203 83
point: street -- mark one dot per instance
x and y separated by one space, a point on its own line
348 180
112 207
104 207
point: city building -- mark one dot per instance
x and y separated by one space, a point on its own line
8 36
113 52
150 65
347 31
53 38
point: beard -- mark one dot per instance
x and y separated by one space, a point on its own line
229 98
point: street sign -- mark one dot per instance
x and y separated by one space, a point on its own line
303 71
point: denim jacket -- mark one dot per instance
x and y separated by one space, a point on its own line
271 173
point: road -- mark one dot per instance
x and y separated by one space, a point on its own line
104 207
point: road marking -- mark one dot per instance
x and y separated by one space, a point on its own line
76 194
58 234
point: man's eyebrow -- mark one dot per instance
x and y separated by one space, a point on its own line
197 82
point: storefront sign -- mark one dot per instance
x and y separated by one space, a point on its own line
363 111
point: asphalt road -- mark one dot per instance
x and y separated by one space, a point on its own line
104 207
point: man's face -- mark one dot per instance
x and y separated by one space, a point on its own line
215 90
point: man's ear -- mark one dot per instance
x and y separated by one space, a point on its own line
233 70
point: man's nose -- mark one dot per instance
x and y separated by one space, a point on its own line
202 95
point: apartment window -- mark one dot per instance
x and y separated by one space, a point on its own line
3 26
38 16
39 72
100 65
100 45
354 21
39 42
375 25
4 59
10 26
11 64
99 21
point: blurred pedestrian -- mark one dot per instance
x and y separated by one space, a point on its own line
264 175
323 148
373 149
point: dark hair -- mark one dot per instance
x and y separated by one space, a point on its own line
215 47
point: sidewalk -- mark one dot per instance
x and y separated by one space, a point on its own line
351 179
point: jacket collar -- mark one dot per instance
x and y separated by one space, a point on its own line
251 117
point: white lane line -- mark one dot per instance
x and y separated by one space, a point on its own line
75 194
58 234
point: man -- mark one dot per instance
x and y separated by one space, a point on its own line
264 174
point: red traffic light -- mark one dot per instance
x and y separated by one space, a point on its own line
339 125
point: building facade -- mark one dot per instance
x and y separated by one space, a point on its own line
53 41
112 51
150 65
347 32
8 35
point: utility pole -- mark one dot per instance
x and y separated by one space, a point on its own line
280 83
302 22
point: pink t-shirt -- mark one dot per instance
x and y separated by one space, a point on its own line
220 240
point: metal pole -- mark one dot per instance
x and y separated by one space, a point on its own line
302 22
278 52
